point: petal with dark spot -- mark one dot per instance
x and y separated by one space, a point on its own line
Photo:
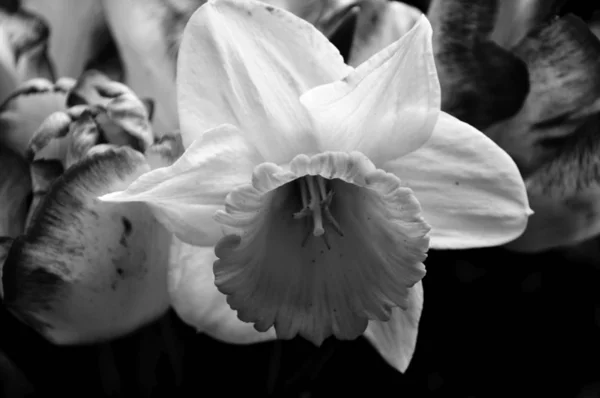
87 270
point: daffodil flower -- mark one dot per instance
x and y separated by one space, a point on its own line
318 186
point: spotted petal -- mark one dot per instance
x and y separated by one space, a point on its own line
387 107
86 270
396 339
247 63
197 301
471 191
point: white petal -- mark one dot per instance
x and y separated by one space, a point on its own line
470 190
247 63
387 107
197 301
186 195
396 339
379 24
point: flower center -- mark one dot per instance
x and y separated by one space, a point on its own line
307 289
316 199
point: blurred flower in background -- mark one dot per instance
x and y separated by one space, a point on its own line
530 83
82 270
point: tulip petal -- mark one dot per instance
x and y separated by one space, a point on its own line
379 24
482 83
563 58
43 174
565 195
199 303
396 339
86 270
125 112
515 19
186 195
15 191
470 190
233 54
387 107
25 110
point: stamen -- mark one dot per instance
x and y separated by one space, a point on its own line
315 206
316 201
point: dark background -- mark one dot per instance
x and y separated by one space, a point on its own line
494 323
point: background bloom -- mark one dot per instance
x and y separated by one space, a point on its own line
82 270
532 87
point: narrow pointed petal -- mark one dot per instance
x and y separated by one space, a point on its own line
199 303
470 190
87 270
379 24
482 83
387 107
247 63
186 195
396 339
